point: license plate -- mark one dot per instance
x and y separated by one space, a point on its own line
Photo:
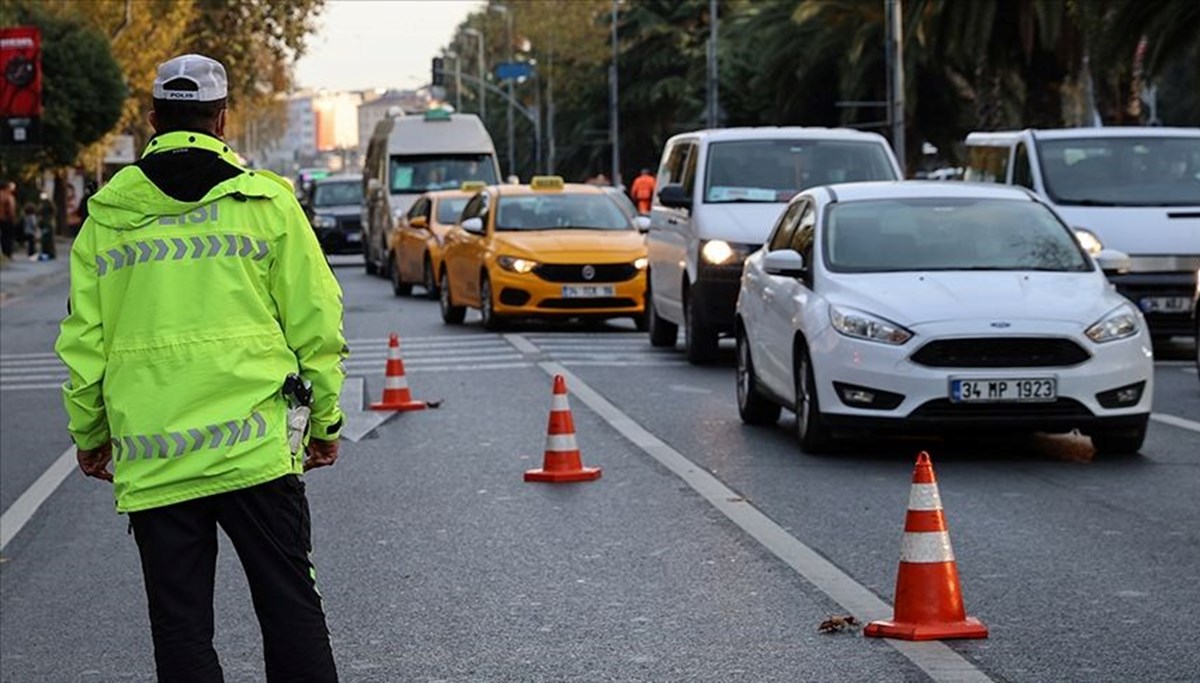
353 237
1166 304
587 291
1009 390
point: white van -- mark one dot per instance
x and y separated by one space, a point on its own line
410 155
717 195
1133 190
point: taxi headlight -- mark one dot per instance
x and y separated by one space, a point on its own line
516 264
1088 240
324 222
861 325
641 263
717 252
1119 323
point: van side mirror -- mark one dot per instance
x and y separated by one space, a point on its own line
473 225
784 263
1113 262
675 197
642 223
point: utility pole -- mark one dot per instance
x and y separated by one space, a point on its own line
482 72
612 103
550 114
896 81
458 83
714 119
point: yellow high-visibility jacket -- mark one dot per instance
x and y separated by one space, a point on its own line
186 315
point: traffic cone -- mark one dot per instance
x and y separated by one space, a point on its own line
562 460
929 603
396 395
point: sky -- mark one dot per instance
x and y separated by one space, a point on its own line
362 44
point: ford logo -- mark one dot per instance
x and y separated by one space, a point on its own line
588 272
1001 325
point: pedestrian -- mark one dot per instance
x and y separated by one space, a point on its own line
203 318
47 228
642 191
8 216
32 230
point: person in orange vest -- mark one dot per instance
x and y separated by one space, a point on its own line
642 191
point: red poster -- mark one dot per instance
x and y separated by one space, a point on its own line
20 72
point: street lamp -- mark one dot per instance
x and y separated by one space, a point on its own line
508 13
482 93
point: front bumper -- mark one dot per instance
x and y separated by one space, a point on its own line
714 295
521 295
1144 288
346 238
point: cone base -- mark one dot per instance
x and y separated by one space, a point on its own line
400 406
556 477
967 628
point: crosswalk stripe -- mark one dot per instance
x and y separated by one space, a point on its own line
34 378
466 367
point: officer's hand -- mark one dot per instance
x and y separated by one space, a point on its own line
320 454
94 462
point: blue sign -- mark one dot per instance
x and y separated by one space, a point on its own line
513 70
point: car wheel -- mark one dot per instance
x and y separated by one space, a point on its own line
699 341
814 435
427 281
1119 442
399 287
641 323
754 408
451 314
491 322
663 333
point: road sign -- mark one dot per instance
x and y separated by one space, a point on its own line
513 70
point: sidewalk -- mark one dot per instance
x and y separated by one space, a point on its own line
20 274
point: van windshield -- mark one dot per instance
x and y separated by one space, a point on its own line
425 173
774 171
1146 171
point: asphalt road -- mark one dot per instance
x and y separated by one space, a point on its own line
708 551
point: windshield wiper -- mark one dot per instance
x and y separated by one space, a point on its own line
743 200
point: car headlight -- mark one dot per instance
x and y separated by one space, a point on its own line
516 264
1088 240
717 252
641 263
1119 323
324 222
860 325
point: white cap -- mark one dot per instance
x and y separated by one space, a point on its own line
207 74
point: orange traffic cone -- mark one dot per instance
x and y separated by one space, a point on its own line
396 395
562 460
929 603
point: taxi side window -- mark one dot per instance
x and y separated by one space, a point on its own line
419 208
1022 173
781 237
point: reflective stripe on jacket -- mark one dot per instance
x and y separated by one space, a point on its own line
186 316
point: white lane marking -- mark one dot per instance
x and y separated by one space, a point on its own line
32 378
21 511
1174 421
623 364
465 368
522 344
935 658
439 360
435 353
27 356
404 341
29 387
1190 371
18 368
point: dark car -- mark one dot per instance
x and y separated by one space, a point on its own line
335 209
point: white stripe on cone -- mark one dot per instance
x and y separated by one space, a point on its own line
559 402
558 443
395 382
393 353
926 547
924 497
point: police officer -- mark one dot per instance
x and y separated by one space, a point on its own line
197 288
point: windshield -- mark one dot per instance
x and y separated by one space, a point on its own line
775 170
448 210
1122 171
948 234
337 194
549 211
425 173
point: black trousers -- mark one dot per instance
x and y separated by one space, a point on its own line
270 530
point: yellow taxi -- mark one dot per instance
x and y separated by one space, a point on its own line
545 250
415 246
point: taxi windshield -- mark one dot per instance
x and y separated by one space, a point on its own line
926 234
1146 171
449 210
773 171
338 194
557 210
425 173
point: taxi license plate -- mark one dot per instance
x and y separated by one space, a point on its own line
1165 304
1010 390
587 291
354 237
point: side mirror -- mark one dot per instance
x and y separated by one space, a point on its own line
1113 262
642 223
785 263
419 223
473 225
675 197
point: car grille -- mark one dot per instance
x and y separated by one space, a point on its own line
605 272
945 409
1000 352
588 303
350 224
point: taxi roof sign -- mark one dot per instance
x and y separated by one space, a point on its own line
472 185
546 182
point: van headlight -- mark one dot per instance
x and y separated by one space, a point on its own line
1088 240
861 325
1119 323
717 252
516 264
324 222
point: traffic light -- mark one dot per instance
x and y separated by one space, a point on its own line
438 75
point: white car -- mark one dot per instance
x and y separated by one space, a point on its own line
935 307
